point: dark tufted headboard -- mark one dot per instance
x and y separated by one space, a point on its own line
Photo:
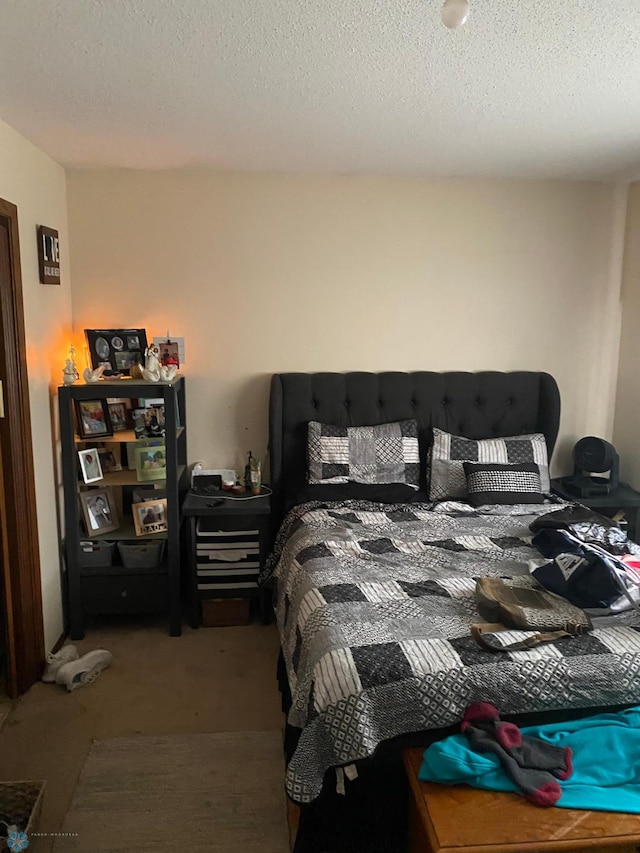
476 405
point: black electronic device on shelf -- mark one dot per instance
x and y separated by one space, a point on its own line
206 485
592 455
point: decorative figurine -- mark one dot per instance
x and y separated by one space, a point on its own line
91 376
151 369
168 371
70 371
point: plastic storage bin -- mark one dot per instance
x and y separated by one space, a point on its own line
96 553
227 561
141 555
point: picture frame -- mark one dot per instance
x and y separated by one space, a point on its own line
157 402
117 349
120 413
151 463
150 516
139 428
151 492
99 511
90 464
92 419
110 458
149 422
169 352
132 446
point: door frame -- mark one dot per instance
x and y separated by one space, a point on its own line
18 523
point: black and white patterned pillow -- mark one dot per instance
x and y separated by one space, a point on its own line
449 453
503 484
384 453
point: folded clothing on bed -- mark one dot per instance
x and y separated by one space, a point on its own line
588 526
584 560
606 762
575 571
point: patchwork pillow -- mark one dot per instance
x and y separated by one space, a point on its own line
503 484
449 453
384 453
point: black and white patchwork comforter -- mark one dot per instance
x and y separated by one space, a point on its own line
374 606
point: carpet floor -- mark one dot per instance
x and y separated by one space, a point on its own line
209 793
370 818
208 681
5 708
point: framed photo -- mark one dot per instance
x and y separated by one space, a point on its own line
98 511
142 494
126 360
149 422
119 413
151 463
169 352
93 419
90 464
150 517
118 349
109 459
139 426
132 446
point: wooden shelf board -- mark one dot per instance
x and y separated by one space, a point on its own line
124 435
130 478
125 531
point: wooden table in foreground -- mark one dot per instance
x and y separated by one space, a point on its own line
459 819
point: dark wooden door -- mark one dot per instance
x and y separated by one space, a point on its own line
19 552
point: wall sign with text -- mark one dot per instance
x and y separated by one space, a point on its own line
48 255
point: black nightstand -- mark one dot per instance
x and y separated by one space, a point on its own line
215 533
624 499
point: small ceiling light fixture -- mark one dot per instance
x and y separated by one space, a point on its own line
454 13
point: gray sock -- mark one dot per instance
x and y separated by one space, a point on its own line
541 755
538 786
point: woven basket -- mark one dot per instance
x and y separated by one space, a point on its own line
20 804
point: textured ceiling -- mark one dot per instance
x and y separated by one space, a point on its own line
535 88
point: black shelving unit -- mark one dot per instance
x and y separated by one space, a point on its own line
115 588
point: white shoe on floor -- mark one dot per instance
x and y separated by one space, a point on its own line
54 662
83 671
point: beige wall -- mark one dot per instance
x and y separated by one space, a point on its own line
268 273
33 182
627 411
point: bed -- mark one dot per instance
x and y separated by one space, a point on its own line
374 583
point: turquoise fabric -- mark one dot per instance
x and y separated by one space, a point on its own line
606 762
